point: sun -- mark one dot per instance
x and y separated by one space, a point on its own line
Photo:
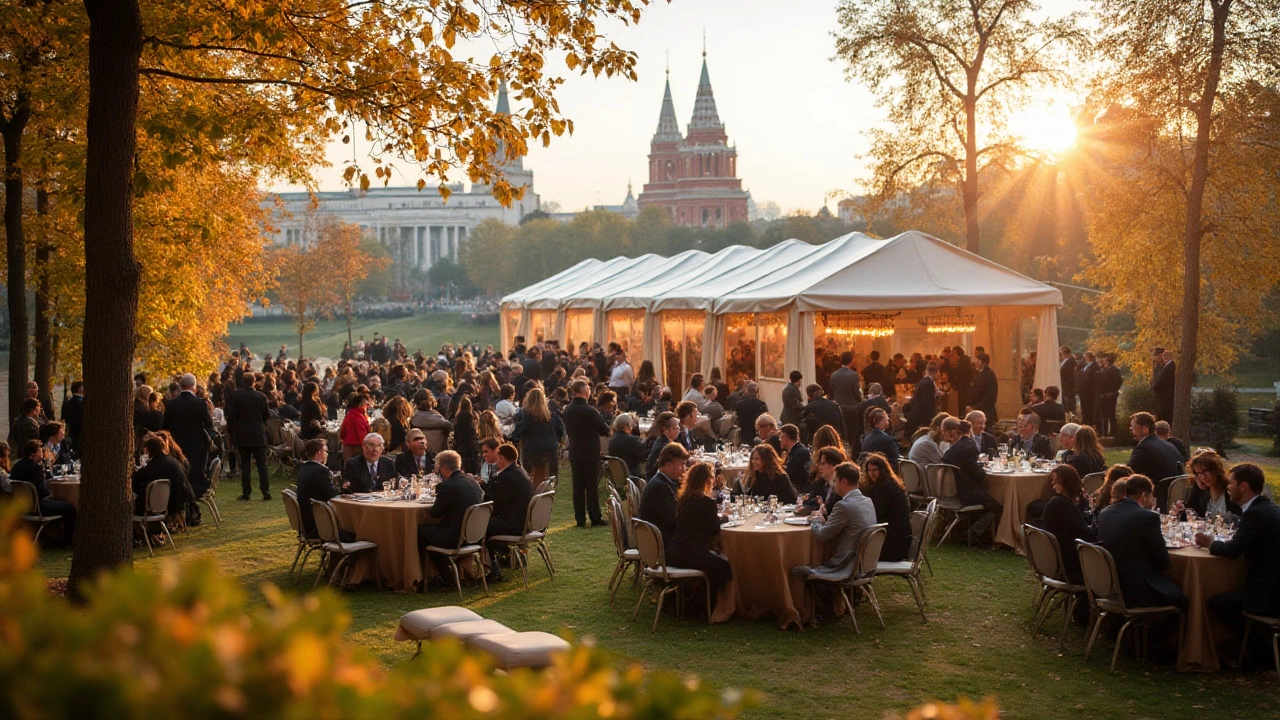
1045 127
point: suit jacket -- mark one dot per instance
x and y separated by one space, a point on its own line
845 522
874 373
30 471
924 451
454 495
1162 382
750 408
510 490
1067 379
1087 380
651 464
658 505
315 482
1037 445
799 463
73 416
629 449
165 467
1132 535
1063 519
924 401
187 419
846 391
988 444
822 411
24 429
879 441
860 414
971 479
1109 381
1257 538
792 405
984 392
1050 411
247 414
1158 460
356 472
405 464
585 427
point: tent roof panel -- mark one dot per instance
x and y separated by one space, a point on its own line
516 297
779 286
688 275
702 294
596 295
617 267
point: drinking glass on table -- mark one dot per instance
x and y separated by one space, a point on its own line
386 488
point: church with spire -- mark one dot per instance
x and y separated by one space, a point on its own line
694 176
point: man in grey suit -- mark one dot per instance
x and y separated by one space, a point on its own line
842 523
847 393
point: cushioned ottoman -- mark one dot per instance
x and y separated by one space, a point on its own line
464 631
419 624
522 649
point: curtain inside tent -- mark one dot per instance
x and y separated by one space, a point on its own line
557 329
651 339
626 327
713 352
1047 369
772 345
681 348
578 327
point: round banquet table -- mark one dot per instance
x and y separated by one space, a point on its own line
393 525
1201 576
66 489
1015 491
762 581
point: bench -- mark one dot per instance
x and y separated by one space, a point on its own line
1262 420
507 648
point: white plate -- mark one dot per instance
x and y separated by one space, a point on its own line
732 524
796 521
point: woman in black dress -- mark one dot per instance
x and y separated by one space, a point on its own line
540 432
1063 519
889 495
765 476
465 440
697 525
313 412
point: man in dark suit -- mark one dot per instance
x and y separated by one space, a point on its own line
820 411
627 447
367 471
923 399
1153 457
27 425
73 414
984 392
961 375
1108 392
799 459
187 419
1029 439
510 489
875 398
658 499
315 482
1163 381
668 430
1052 413
792 400
29 469
971 479
873 372
846 391
880 441
584 427
687 414
417 458
1257 539
1130 531
1067 375
532 365
455 493
1087 387
985 441
750 407
247 412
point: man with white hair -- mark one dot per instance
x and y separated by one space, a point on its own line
188 420
985 441
367 471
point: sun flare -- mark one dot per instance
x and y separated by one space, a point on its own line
1048 128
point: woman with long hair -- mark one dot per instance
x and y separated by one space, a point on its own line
313 412
465 440
825 437
646 373
765 476
488 426
889 495
398 412
1083 451
355 425
1062 517
540 432
1209 489
1104 497
697 526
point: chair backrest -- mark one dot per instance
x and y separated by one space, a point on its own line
157 494
26 492
616 525
725 424
633 488
215 473
437 440
546 485
1093 482
1044 553
275 431
734 437
912 476
538 516
869 545
293 510
474 523
1099 568
326 520
613 491
614 470
649 543
940 480
922 527
1178 487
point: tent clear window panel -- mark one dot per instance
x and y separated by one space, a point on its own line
626 327
578 328
740 348
773 345
833 335
510 326
542 324
682 348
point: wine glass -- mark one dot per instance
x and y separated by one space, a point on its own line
386 488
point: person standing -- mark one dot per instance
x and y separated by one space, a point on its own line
584 426
1163 382
924 400
846 391
820 411
984 392
188 420
621 376
247 414
961 376
1108 393
73 414
792 400
750 407
874 372
1067 377
1087 387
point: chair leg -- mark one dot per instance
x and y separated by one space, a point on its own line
662 597
950 527
294 567
918 593
875 603
1098 617
1069 613
377 572
146 535
706 582
324 561
929 564
545 552
484 581
643 592
1115 654
169 535
1244 644
615 580
853 614
457 576
521 554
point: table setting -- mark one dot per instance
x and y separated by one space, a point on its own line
64 483
1200 576
1016 480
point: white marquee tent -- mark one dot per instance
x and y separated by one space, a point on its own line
795 306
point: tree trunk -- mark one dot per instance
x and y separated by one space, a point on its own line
16 253
103 538
350 342
44 309
971 174
1194 232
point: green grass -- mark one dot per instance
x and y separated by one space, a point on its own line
977 642
420 332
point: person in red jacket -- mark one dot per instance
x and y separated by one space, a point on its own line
355 425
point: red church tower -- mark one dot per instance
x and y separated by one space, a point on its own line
694 177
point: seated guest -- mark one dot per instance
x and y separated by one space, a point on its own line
625 446
160 465
1209 490
889 496
750 407
1165 433
697 525
687 414
798 458
607 405
819 411
879 441
1153 457
416 458
658 499
510 489
1257 540
875 399
694 393
985 441
56 451
1062 518
29 469
925 450
1029 440
665 430
1130 531
1107 494
843 523
767 432
426 417
765 476
506 408
455 493
366 472
315 482
1081 449
712 408
822 494
971 479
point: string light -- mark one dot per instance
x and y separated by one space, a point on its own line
860 324
950 323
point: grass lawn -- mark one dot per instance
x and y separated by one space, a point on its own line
977 642
420 332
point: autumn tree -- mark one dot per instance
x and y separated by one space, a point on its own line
488 256
345 265
1185 226
303 287
949 73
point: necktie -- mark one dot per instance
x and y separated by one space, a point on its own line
373 471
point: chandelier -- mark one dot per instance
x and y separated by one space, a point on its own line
949 322
860 324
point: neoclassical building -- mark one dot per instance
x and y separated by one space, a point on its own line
695 176
419 227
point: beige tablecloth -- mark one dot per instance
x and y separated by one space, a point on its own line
65 490
393 525
762 582
1015 491
1201 576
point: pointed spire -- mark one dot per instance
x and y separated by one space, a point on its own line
500 156
504 106
668 126
704 105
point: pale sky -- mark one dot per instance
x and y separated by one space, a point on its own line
798 125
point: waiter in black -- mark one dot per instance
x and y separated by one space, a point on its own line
187 419
585 427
